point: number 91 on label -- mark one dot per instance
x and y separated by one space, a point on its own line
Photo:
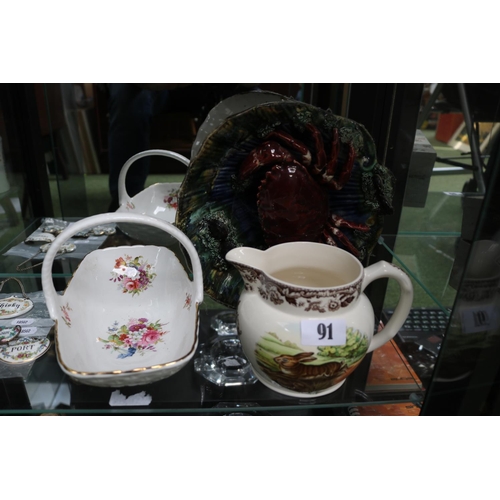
321 332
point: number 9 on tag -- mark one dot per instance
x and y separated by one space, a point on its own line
323 332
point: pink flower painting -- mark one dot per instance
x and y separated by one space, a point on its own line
171 199
137 336
65 311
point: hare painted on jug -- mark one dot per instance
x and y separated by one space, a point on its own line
303 319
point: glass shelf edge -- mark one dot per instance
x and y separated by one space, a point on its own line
34 276
410 273
418 234
212 411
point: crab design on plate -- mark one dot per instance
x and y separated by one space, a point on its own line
279 172
292 198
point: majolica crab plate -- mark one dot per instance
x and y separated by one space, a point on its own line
228 107
277 172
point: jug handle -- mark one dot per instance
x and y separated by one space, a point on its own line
122 191
384 269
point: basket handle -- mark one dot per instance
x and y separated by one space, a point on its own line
49 291
122 191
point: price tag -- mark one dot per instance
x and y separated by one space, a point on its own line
22 322
29 330
321 332
479 319
129 272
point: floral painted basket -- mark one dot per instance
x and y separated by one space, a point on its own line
158 200
129 315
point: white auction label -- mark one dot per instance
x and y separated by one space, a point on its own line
22 322
323 332
29 330
478 319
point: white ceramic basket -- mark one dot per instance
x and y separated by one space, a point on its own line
129 315
158 200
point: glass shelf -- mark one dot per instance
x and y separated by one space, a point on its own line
48 390
426 252
13 254
428 260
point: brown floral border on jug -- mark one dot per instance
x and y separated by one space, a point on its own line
319 300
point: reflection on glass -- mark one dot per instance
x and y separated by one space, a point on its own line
476 319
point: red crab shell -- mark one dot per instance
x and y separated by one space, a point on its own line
284 205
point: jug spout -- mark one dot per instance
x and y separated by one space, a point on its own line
245 259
